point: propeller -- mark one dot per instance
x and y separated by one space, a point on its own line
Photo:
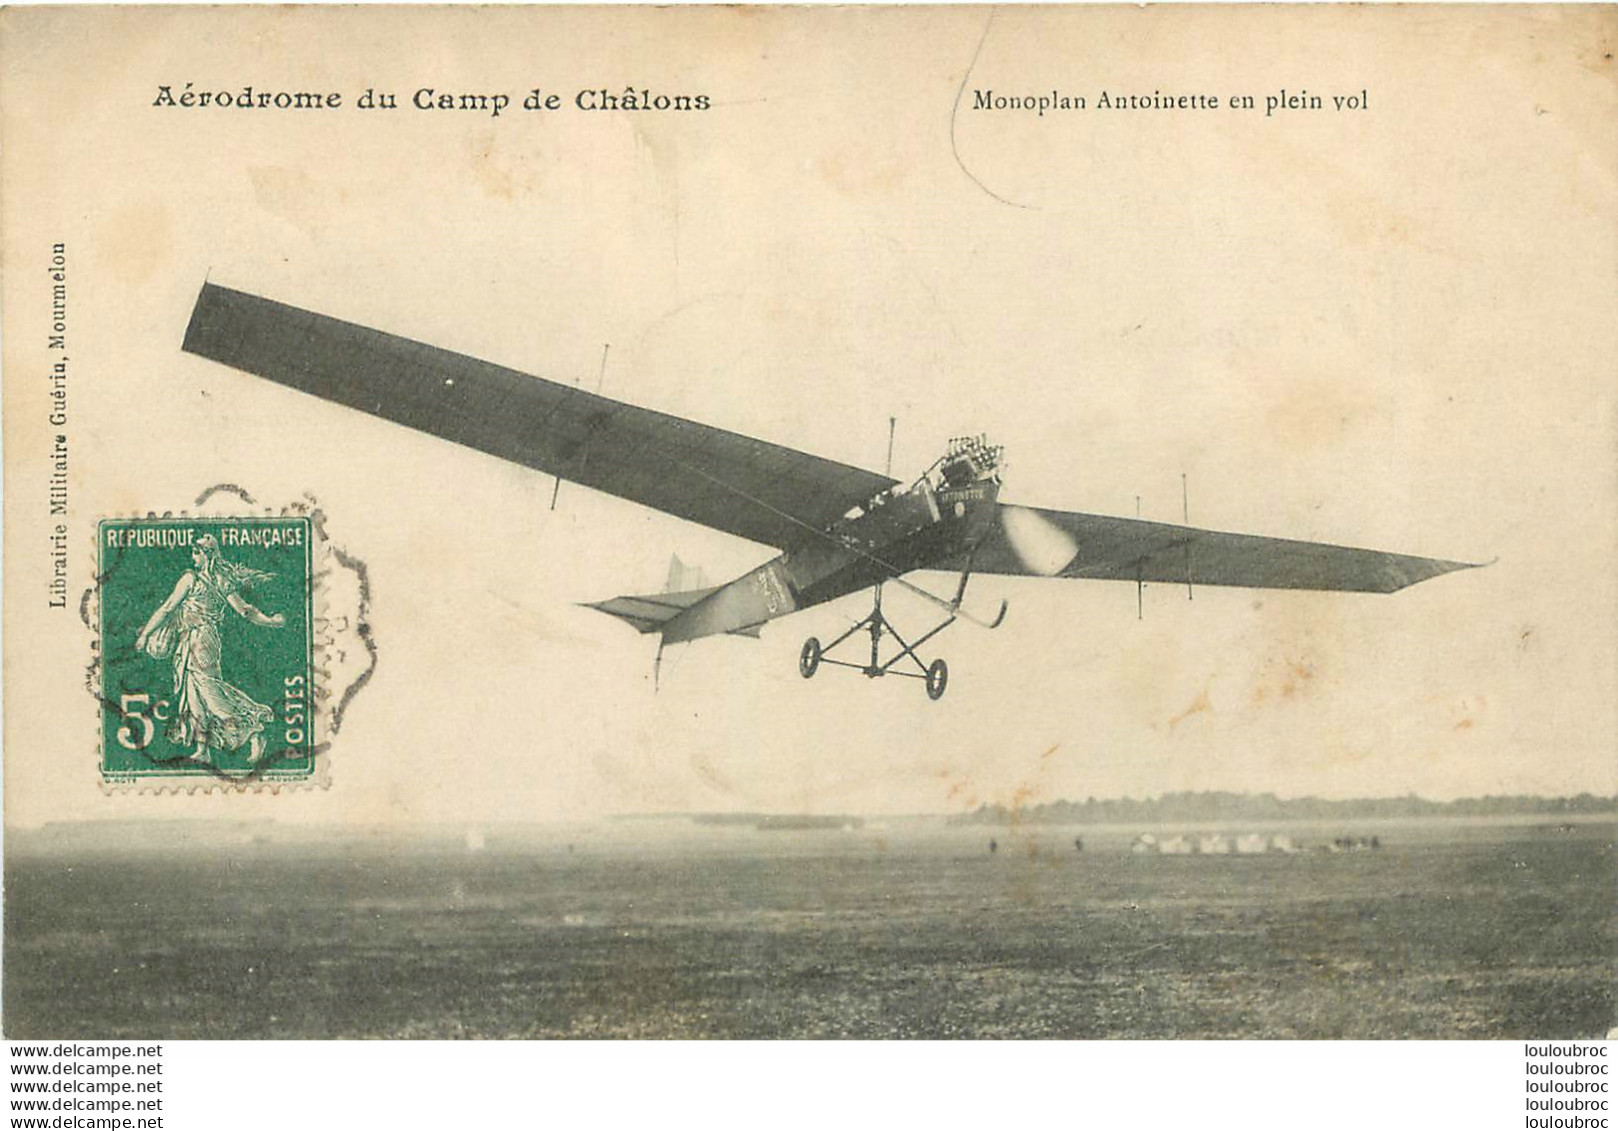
1041 545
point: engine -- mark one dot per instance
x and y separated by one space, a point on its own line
969 460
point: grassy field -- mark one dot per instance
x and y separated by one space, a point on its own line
658 930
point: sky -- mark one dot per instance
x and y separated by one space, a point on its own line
1388 328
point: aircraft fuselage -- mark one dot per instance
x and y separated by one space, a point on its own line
890 536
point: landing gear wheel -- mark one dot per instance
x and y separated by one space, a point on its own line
937 679
809 658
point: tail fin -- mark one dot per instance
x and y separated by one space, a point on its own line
685 586
650 612
684 578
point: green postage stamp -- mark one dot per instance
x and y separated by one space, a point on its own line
208 635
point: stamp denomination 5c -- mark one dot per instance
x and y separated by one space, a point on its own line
207 637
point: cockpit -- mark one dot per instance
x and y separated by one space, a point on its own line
967 467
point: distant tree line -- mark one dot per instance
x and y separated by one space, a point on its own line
1192 808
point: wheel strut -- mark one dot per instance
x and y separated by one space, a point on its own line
935 676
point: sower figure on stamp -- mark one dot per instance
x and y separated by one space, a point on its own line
209 712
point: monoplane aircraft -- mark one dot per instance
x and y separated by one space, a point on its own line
838 529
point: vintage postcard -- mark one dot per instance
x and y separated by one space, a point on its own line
961 522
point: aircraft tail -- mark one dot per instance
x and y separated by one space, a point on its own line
686 585
650 612
738 609
685 578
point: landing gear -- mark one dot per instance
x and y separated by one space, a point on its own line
809 658
934 675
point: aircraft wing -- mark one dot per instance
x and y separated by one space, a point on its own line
1032 542
756 490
